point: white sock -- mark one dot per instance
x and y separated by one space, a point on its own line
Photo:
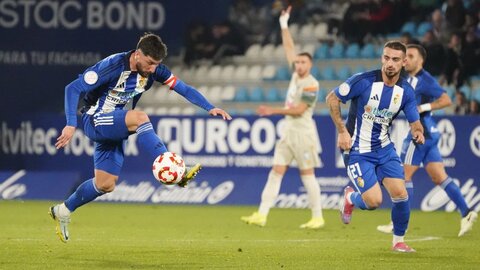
63 210
270 192
313 191
397 239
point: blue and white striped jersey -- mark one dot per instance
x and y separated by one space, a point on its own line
427 90
373 107
110 84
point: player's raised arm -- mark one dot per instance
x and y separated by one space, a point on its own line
287 40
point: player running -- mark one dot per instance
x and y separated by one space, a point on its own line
429 96
377 97
108 86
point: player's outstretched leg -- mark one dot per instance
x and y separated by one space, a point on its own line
190 174
61 215
255 219
466 223
346 205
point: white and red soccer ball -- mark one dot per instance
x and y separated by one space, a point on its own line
168 168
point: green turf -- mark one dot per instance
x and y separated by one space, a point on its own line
137 236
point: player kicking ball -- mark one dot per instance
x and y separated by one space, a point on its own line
377 97
429 96
108 86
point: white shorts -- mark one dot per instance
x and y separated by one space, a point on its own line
299 147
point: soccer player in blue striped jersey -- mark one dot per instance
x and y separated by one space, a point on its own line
107 87
377 97
429 96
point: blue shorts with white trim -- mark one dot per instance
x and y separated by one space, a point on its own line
416 154
109 132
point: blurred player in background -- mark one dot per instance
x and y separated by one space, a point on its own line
429 96
299 137
377 97
108 86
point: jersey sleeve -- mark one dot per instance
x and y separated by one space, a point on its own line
92 78
410 108
349 89
433 89
310 94
164 76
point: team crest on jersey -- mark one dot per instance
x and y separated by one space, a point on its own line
396 98
142 82
360 182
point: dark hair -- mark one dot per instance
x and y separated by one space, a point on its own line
421 50
307 55
152 45
396 45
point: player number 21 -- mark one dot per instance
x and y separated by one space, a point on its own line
355 170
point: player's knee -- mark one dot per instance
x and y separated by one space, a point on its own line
107 185
373 202
142 118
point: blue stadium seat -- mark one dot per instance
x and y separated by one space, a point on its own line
315 71
358 69
368 51
324 111
272 95
476 94
467 91
322 94
283 73
256 94
282 93
322 52
450 92
337 50
423 28
409 27
353 51
328 73
343 73
241 95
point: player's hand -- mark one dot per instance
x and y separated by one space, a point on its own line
64 139
264 110
284 17
418 137
218 111
344 141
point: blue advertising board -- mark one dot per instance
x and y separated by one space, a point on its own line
236 156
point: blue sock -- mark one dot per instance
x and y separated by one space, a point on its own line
85 193
409 186
453 192
149 142
400 216
357 200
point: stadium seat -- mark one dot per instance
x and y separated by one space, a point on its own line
322 52
353 51
320 31
241 95
450 92
322 94
215 94
315 71
227 72
282 93
267 52
328 73
467 91
272 95
409 27
189 110
423 28
283 73
255 73
306 32
256 94
201 73
293 28
336 51
161 110
241 73
358 69
253 52
476 94
228 93
343 73
247 112
308 48
214 73
268 72
368 51
149 110
175 110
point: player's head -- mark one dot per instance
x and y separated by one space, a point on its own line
393 58
416 56
303 63
149 53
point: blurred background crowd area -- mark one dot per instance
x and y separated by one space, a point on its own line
240 62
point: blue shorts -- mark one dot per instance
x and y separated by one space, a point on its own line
109 132
416 154
366 169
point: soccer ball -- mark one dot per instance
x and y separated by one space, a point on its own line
168 168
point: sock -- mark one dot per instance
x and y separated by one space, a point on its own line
454 193
397 239
85 193
409 186
313 192
400 216
356 199
149 142
270 192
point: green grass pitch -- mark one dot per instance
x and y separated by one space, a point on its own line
140 236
